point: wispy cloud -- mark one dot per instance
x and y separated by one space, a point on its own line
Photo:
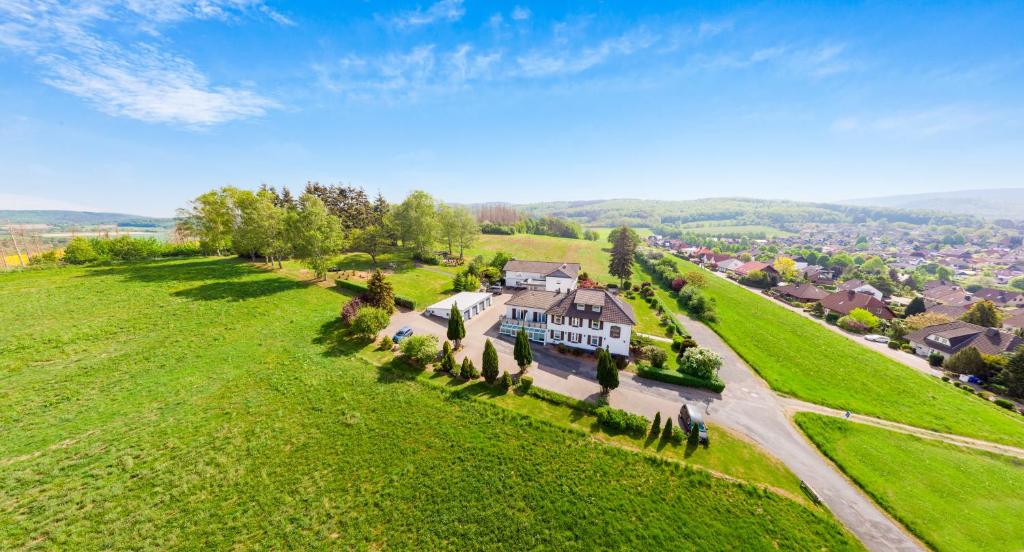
138 80
519 13
562 61
921 123
443 10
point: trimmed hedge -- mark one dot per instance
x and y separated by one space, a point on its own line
679 378
560 399
620 420
360 288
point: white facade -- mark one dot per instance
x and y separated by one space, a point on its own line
537 281
575 332
470 303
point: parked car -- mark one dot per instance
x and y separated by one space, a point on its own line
690 420
877 338
970 379
401 334
495 290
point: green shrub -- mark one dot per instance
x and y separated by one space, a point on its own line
369 322
678 378
525 383
614 419
560 399
506 381
832 317
935 359
894 345
700 362
468 371
907 348
656 356
656 426
420 349
79 251
1004 404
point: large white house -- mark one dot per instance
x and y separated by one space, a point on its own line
582 318
541 275
470 303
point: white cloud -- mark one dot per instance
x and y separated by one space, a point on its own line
520 13
823 61
560 61
139 80
443 10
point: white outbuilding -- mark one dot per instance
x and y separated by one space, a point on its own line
469 302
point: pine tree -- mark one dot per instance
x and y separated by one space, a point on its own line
667 434
468 370
607 373
623 251
379 292
447 360
522 353
490 362
1012 375
456 326
656 426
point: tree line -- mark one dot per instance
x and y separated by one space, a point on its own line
322 222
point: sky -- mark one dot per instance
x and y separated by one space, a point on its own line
139 106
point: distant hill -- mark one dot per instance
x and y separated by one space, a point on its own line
729 211
63 219
1002 203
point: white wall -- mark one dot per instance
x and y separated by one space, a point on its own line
616 346
559 284
513 279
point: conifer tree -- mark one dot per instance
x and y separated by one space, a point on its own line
490 362
456 326
379 292
656 426
522 353
607 373
667 434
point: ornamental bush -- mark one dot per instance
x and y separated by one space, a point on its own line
525 383
935 359
700 362
852 325
468 371
614 419
420 349
506 381
656 356
369 322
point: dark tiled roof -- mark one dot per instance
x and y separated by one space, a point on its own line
807 292
1001 296
544 268
952 311
542 300
961 335
613 309
845 301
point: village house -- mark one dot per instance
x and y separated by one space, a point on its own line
805 293
541 275
843 302
754 266
947 339
860 286
581 318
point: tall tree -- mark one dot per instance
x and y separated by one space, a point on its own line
379 292
983 313
916 306
489 364
1012 375
466 230
416 222
314 234
211 218
349 203
607 373
522 352
623 251
456 326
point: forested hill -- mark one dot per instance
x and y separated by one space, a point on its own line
1005 203
741 211
80 218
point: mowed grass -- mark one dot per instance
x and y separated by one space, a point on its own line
648 321
592 255
953 498
798 357
205 404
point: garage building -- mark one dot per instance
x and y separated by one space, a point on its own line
469 302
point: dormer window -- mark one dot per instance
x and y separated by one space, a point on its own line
581 306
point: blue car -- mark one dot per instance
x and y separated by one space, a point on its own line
401 334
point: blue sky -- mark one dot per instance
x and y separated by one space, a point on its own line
138 106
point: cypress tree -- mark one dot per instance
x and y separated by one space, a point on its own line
490 362
456 326
522 353
667 434
468 371
607 373
656 426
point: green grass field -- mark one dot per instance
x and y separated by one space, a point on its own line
205 404
798 357
592 255
648 321
952 497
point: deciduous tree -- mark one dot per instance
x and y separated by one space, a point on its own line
983 313
314 234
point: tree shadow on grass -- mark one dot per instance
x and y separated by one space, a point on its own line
397 370
478 389
171 270
239 291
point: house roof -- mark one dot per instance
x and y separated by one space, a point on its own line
845 301
961 335
751 266
952 311
464 299
540 300
999 296
613 309
544 268
1014 321
806 292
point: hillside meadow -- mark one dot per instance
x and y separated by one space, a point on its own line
798 357
953 498
207 404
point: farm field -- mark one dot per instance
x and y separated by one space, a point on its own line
207 404
953 498
798 357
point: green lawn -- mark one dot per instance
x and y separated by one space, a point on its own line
798 357
592 255
952 497
648 321
205 404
